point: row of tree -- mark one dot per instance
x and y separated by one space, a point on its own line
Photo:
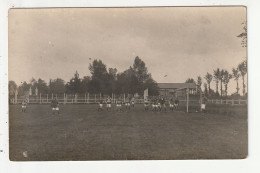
222 78
102 80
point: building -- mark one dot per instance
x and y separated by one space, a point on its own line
179 89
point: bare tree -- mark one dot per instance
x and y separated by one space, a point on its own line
243 35
208 78
242 67
216 74
236 77
221 78
226 80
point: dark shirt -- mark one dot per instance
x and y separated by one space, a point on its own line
108 101
54 103
162 101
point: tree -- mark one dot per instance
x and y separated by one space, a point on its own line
23 89
97 69
236 76
41 86
208 78
140 70
226 80
216 77
243 35
99 78
206 89
74 85
152 86
199 83
127 82
84 85
57 86
112 73
242 67
136 79
221 77
190 80
12 87
112 77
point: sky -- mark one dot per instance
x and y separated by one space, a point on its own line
180 42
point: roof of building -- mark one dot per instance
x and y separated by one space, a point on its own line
176 85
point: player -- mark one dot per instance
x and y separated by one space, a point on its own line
55 106
127 103
158 103
176 103
108 101
24 104
162 102
146 104
154 104
171 103
203 105
133 102
100 105
119 104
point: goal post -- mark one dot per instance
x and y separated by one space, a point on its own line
189 100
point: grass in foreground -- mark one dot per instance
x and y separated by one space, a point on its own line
83 133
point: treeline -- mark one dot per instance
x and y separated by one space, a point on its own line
222 77
102 80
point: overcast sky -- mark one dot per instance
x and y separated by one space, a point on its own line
180 42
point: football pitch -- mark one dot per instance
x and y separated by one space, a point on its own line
80 132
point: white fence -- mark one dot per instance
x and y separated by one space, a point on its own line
95 98
228 101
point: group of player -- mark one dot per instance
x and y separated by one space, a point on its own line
157 103
127 103
54 106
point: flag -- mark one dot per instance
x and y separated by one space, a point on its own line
145 93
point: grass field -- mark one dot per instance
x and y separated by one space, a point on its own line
83 133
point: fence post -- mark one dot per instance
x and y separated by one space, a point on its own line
232 102
47 98
188 100
52 96
95 98
76 98
239 101
85 98
88 98
40 98
99 96
124 97
64 99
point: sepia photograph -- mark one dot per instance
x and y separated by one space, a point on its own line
132 83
